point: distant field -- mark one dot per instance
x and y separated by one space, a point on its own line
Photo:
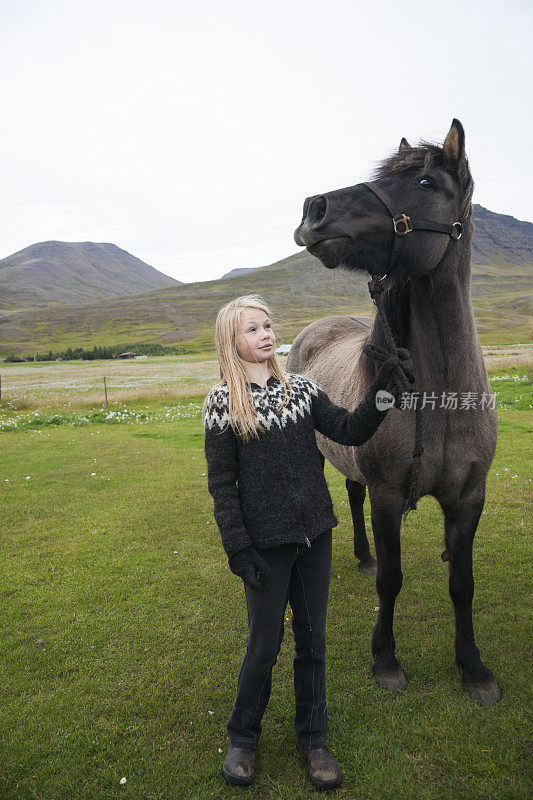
81 383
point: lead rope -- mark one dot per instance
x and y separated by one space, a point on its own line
375 287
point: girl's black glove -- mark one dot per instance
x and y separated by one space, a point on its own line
393 366
395 375
249 566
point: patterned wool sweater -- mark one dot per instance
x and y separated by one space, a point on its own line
271 491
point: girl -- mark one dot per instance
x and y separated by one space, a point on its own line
275 515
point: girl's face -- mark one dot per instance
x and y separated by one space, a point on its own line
255 340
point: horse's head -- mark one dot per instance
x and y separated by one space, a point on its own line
352 228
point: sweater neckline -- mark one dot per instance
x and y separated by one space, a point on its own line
269 382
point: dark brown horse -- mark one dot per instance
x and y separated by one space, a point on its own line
427 302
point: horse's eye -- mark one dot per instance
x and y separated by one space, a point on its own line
426 182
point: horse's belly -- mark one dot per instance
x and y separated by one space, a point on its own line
385 458
342 458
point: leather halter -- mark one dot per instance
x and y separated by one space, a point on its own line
404 224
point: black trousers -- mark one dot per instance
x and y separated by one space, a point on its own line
301 575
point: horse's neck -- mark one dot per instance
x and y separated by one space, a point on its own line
443 340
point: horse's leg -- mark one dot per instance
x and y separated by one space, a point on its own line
460 523
356 495
386 506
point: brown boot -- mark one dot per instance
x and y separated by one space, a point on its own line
239 765
322 768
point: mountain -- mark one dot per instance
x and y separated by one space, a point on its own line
73 273
500 237
299 290
238 271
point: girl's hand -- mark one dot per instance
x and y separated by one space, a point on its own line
389 369
249 566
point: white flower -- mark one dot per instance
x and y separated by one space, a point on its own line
27 477
93 473
123 781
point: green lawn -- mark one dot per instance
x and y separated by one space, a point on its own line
123 630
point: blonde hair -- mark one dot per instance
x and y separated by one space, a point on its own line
242 414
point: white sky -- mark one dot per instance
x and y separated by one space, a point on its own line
190 134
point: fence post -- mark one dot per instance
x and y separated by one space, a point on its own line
105 390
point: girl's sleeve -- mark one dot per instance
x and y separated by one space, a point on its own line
347 427
222 472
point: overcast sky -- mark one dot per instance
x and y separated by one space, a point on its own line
190 134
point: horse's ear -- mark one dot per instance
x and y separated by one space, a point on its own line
404 145
454 146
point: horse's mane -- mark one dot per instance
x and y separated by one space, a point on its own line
426 155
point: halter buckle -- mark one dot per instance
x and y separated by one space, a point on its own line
458 231
402 219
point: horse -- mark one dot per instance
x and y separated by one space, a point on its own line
425 277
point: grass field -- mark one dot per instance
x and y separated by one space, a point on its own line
123 628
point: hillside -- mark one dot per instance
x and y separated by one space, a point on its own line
73 273
299 290
238 271
500 237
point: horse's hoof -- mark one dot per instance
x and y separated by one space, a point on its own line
487 693
393 681
369 566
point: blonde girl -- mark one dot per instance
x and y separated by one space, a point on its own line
275 516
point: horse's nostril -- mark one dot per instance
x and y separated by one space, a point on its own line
317 210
